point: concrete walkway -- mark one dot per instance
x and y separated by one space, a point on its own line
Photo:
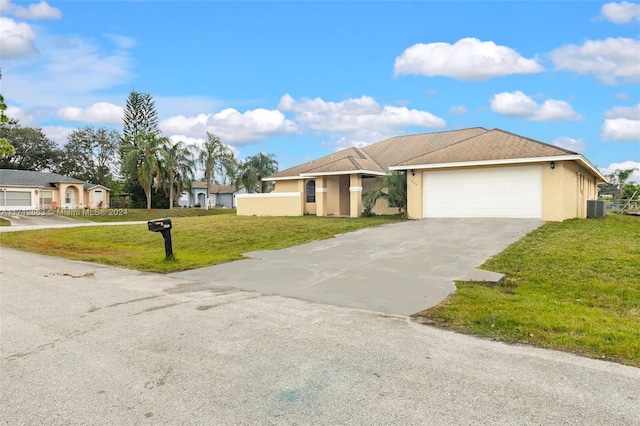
398 269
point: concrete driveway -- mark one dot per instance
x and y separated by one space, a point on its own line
397 269
87 344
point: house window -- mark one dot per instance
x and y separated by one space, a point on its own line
16 199
46 198
68 196
311 191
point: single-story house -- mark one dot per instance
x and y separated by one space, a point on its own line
471 172
29 190
219 196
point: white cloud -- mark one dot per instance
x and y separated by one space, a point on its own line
621 13
467 59
632 113
356 114
360 139
458 109
622 124
16 39
575 145
25 118
65 73
517 104
620 129
613 61
625 165
100 112
58 134
232 126
622 96
40 10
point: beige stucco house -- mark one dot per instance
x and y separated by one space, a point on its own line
29 190
460 173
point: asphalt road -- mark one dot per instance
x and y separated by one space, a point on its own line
83 344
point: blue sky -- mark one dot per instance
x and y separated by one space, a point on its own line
303 79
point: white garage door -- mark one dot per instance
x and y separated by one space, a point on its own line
484 192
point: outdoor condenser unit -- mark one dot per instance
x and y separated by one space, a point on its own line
595 208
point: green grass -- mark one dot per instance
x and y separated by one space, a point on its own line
572 286
130 215
197 241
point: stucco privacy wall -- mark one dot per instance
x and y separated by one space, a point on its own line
271 204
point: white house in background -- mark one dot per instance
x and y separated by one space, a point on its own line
220 195
30 190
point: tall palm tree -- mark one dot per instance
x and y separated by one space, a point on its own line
178 164
620 177
143 160
209 157
256 168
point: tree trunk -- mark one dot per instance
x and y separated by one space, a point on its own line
207 196
171 193
148 191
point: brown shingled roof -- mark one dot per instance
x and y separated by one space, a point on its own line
492 145
453 146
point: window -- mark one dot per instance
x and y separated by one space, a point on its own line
46 198
68 196
16 199
311 191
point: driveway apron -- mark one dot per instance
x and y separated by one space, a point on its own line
397 269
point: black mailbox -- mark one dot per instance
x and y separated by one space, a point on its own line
163 226
159 225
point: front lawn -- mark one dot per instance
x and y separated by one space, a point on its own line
197 241
572 286
131 215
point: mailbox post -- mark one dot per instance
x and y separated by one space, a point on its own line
163 226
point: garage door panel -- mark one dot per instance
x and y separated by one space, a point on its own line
488 192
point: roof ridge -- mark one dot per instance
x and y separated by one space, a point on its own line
536 141
450 145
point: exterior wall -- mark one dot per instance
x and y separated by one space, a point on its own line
565 191
78 196
332 207
91 200
286 186
414 194
355 195
271 204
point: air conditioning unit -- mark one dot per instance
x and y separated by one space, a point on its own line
596 208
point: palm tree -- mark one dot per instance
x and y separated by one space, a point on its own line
208 157
143 160
178 164
257 167
393 188
620 177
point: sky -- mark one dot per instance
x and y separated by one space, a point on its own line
302 79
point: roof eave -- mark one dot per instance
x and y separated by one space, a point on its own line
576 157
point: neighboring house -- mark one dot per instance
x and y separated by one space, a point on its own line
460 173
28 190
220 195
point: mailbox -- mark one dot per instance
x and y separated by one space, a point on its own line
163 226
159 225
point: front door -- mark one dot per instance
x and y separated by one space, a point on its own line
69 201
